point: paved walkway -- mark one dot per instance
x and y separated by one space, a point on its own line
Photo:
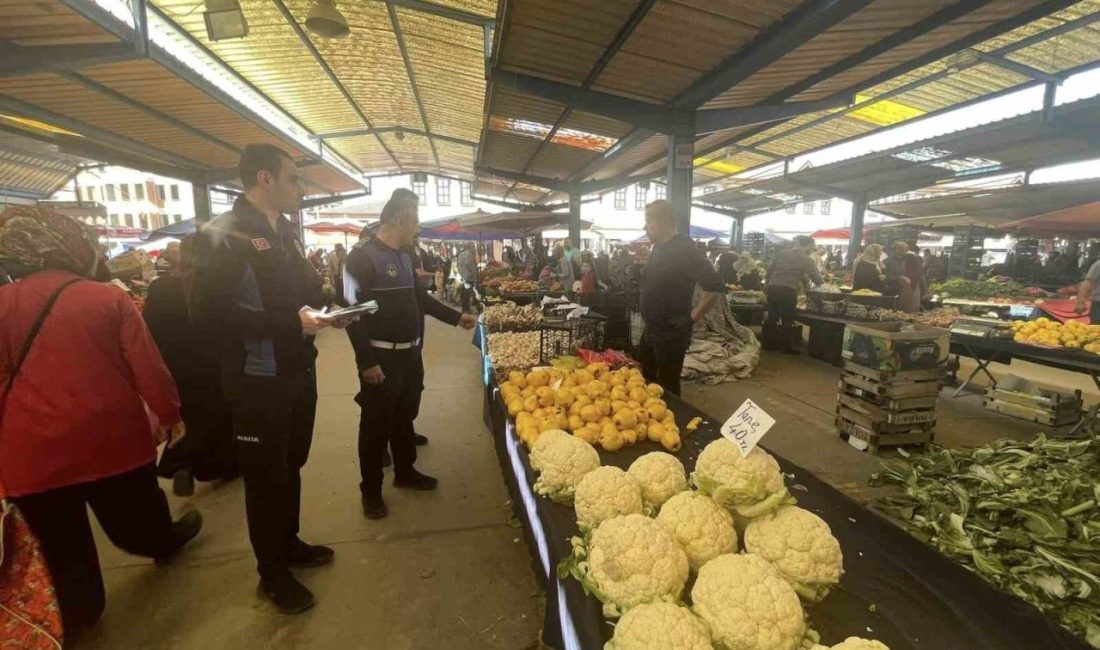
445 570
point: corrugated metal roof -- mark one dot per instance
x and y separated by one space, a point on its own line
47 22
28 165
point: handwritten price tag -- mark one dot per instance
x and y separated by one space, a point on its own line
747 426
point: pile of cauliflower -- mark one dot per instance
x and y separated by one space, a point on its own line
749 590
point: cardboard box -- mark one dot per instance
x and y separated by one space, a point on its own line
896 346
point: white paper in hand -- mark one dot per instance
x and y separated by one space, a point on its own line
747 426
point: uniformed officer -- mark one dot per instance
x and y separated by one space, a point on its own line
252 289
387 350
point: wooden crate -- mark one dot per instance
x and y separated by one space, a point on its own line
904 422
877 414
875 440
870 381
886 401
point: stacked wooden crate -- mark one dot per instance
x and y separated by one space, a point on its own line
890 383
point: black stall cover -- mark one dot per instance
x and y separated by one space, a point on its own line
920 598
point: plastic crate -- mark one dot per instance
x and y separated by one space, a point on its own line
560 337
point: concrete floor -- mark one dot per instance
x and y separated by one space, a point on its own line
445 570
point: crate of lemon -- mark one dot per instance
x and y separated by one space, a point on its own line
1049 333
606 408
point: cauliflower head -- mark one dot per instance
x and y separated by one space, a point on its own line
801 546
661 476
628 561
749 486
747 605
660 626
562 461
606 492
856 643
703 528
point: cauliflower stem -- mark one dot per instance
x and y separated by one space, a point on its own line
755 497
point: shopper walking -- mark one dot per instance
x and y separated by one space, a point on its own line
467 272
674 269
252 295
387 351
791 269
208 453
77 367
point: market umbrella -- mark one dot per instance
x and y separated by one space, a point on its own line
696 232
522 222
1083 220
174 230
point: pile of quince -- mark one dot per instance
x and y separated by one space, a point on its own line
606 408
1050 333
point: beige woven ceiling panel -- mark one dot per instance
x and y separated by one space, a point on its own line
455 157
596 124
414 151
656 145
484 8
507 151
559 161
364 152
47 22
560 39
517 105
74 101
275 61
447 58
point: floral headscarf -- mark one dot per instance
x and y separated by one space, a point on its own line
34 239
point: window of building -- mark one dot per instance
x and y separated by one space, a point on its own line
139 191
125 190
89 193
160 193
114 219
808 207
792 208
421 190
660 192
177 218
110 192
827 206
443 191
639 197
620 198
466 191
129 220
174 191
143 219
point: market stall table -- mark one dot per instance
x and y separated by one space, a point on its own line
826 335
748 313
986 350
895 588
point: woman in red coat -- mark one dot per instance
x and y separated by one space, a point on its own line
74 431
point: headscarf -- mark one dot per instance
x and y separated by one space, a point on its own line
35 239
872 254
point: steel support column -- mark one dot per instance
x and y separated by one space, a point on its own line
681 157
855 237
200 192
575 218
737 231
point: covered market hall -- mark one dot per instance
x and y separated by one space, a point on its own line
522 324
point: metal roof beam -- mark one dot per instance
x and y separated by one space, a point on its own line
444 12
729 212
20 193
320 60
616 182
782 38
18 60
392 129
1020 68
650 116
332 198
529 179
719 119
503 203
396 22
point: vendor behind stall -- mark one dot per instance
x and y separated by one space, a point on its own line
905 275
869 272
675 267
792 267
1088 294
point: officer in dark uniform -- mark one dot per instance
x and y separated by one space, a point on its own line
388 351
674 269
252 292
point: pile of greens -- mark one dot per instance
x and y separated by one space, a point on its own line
979 289
1023 515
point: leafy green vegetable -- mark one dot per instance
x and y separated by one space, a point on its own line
1020 514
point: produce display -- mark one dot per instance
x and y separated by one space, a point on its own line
604 407
606 492
512 285
942 317
802 548
1048 333
508 317
703 528
854 643
1022 515
660 625
995 290
749 486
660 475
514 350
866 292
562 461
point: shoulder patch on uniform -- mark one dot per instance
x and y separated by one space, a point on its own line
261 244
391 270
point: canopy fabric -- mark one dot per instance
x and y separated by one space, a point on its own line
697 232
525 222
118 231
333 227
1081 220
836 233
946 221
177 230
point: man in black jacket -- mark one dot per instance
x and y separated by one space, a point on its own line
252 292
388 351
674 269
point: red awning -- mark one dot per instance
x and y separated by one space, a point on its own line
322 227
118 231
837 233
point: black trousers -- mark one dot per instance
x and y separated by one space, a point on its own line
208 450
133 512
386 416
782 305
467 296
273 425
662 357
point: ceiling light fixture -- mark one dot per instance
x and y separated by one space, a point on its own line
224 20
326 21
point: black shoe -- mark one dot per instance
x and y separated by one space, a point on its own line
387 460
184 529
374 507
183 483
300 554
289 595
420 440
414 480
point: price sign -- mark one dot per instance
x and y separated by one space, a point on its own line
747 426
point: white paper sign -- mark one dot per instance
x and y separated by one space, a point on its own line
747 426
